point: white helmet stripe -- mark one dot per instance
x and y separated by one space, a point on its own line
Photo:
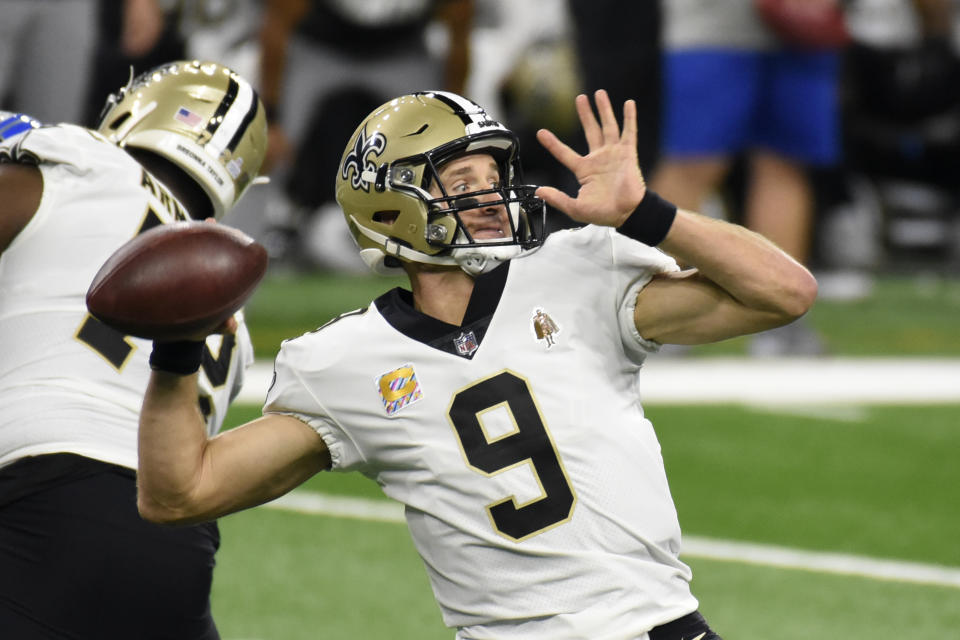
474 117
240 111
468 110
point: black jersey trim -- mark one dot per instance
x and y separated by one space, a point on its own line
396 307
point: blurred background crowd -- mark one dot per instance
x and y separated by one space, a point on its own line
841 147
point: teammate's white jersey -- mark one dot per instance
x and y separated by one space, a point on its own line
68 383
533 484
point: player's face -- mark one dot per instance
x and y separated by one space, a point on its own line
476 172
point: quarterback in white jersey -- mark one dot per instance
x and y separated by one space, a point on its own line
497 399
511 445
180 142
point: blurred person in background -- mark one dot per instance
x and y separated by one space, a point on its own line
619 49
592 44
46 57
527 72
902 101
532 58
142 34
134 35
76 560
227 31
322 62
734 88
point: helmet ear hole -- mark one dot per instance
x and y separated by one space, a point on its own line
113 126
386 217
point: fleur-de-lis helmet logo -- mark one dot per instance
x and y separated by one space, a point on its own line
359 158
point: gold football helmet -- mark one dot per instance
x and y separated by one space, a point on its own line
391 161
201 116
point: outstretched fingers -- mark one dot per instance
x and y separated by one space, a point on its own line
609 176
558 149
556 199
629 135
588 121
608 119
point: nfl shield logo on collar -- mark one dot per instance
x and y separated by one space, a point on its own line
399 388
466 343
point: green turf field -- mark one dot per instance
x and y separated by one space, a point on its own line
874 482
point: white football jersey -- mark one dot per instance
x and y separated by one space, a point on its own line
534 487
69 383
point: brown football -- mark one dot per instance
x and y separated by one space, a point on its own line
177 280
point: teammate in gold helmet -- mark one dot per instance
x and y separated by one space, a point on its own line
202 117
182 141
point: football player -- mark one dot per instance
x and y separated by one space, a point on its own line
497 398
182 141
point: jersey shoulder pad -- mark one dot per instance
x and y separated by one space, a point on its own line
13 125
65 144
328 343
348 314
587 238
606 244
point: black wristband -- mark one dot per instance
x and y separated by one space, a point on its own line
650 221
183 357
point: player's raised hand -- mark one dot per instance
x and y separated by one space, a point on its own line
611 185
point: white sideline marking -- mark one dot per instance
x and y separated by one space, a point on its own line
832 412
798 381
314 503
756 381
821 561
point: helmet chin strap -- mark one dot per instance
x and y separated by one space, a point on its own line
476 260
473 259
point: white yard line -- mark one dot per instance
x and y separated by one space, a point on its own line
799 381
314 503
780 381
820 561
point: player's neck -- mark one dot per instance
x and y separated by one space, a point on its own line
442 293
